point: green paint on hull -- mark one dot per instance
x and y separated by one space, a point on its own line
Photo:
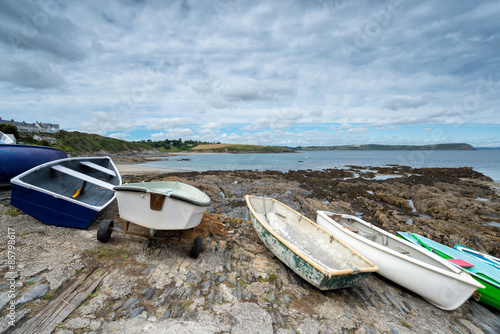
302 267
490 295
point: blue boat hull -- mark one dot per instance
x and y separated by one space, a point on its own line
51 210
16 159
66 192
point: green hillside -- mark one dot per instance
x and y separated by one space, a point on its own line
239 148
86 143
256 149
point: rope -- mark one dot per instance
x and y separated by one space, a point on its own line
375 234
173 188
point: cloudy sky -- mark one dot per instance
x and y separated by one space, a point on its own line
294 72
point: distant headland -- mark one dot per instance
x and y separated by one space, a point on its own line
376 147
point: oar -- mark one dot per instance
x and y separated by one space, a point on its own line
80 191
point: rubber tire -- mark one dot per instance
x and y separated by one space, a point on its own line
105 229
196 249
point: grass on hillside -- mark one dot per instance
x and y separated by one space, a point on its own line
77 142
233 148
209 146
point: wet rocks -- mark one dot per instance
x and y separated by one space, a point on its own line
135 312
148 293
6 297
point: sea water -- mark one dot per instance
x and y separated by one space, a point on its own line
483 161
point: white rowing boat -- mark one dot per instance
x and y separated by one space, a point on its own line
164 205
426 274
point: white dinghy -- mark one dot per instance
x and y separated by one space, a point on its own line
428 275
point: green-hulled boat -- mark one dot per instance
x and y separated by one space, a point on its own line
306 248
487 275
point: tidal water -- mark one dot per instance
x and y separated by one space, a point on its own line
483 161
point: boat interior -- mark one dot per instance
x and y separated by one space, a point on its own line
486 258
87 181
478 269
383 238
316 244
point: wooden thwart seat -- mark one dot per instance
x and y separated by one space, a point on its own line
82 176
352 229
98 167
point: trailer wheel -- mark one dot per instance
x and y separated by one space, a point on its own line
196 249
105 229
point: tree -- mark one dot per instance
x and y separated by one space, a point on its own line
9 129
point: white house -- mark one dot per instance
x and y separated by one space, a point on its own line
37 127
49 139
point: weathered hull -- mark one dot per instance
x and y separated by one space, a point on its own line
428 275
16 159
303 268
306 266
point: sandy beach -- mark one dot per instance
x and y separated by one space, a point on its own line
131 169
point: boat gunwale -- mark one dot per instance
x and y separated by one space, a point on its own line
485 278
454 272
306 258
31 146
135 187
17 181
490 259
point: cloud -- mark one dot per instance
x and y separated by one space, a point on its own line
406 102
344 126
33 73
248 89
158 136
281 120
119 135
102 122
179 133
387 128
219 103
41 26
184 134
212 125
162 123
357 130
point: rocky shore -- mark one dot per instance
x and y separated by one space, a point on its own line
236 285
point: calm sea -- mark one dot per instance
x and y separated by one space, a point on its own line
484 161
